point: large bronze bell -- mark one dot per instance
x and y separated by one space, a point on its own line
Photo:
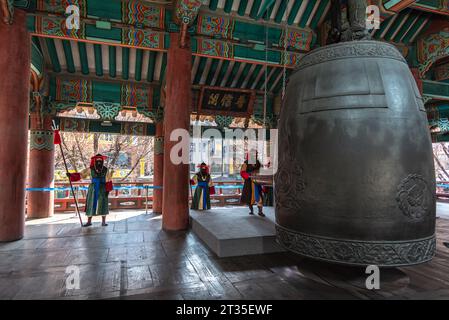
355 183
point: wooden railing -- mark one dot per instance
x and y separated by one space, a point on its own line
136 195
442 191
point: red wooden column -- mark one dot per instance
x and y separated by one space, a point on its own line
14 103
41 168
158 177
175 202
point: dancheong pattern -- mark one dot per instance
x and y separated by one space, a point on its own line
299 40
215 48
41 140
136 12
136 96
55 26
134 129
74 90
432 48
74 125
215 26
59 6
143 38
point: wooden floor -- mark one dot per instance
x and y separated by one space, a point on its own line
133 259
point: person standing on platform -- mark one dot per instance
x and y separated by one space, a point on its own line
252 193
97 203
204 189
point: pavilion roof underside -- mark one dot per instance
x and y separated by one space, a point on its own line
126 42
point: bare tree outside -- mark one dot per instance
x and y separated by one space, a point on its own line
130 157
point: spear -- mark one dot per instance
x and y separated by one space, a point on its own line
58 140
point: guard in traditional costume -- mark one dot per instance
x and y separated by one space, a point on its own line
252 193
97 203
204 189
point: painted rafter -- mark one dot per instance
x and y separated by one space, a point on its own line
397 5
440 7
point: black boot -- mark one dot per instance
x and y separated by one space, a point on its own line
89 222
260 212
251 211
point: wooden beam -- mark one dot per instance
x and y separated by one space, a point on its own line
105 78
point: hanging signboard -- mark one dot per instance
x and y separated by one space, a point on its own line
224 101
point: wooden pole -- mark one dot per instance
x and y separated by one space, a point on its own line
71 185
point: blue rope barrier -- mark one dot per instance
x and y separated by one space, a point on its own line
237 186
87 188
82 188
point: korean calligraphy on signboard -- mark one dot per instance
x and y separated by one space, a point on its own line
223 101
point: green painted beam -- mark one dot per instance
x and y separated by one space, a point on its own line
306 15
228 6
212 70
111 9
96 126
98 60
200 70
112 61
106 91
139 61
233 73
68 56
108 35
281 11
294 11
213 4
53 54
83 58
151 64
125 63
434 88
242 7
255 9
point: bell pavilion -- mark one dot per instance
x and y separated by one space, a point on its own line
167 64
